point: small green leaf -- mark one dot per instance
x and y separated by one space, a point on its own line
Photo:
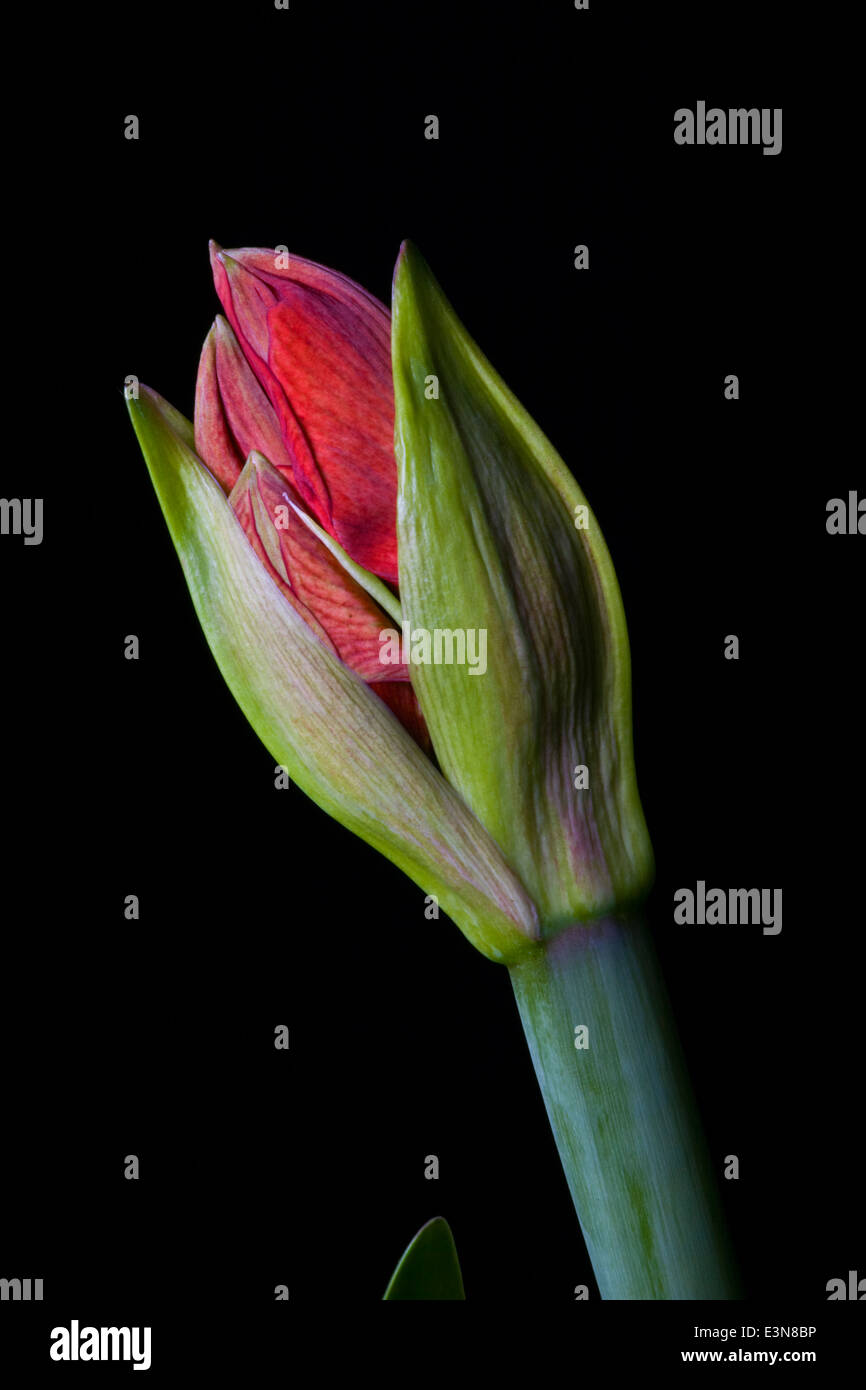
429 1267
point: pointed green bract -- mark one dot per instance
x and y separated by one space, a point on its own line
488 542
319 720
429 1267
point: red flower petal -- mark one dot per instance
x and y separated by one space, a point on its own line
214 442
320 347
233 416
308 575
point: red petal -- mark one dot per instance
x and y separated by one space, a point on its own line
246 299
309 576
233 416
214 441
320 347
334 366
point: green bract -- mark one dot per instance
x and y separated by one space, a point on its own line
320 721
488 541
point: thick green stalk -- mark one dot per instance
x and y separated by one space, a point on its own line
623 1114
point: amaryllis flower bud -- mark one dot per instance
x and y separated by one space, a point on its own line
531 836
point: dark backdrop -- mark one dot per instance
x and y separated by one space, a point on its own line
261 127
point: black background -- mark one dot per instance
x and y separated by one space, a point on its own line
306 127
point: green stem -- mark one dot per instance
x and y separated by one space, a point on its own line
623 1114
